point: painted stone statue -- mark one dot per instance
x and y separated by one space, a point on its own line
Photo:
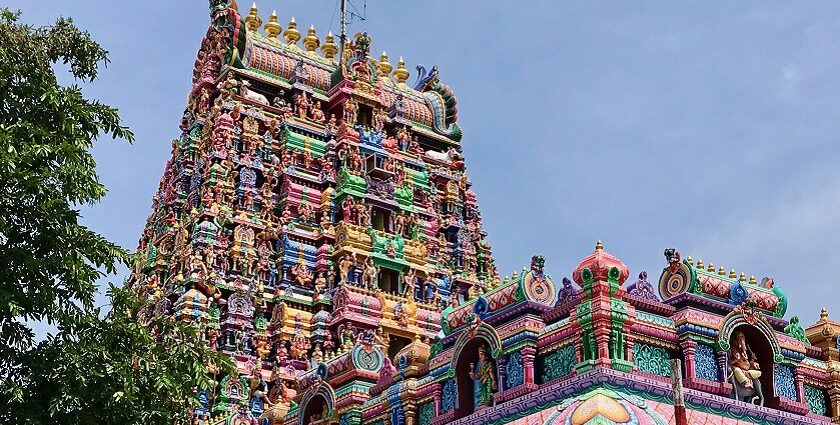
484 375
743 361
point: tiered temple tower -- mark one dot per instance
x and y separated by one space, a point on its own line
314 207
317 223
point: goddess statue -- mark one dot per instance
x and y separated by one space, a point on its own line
484 376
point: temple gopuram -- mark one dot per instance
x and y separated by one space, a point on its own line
317 223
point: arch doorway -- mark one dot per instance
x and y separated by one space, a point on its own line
470 365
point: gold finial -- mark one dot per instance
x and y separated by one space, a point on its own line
292 35
253 21
824 314
732 274
711 268
700 264
311 41
752 279
742 277
329 48
385 68
690 261
272 28
721 271
401 74
599 246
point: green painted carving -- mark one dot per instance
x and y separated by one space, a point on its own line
816 400
300 143
781 307
349 184
437 346
404 196
558 364
261 323
794 330
425 413
652 359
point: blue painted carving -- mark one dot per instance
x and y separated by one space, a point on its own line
705 366
838 343
737 293
481 306
816 399
397 416
558 364
515 371
256 406
344 420
785 387
203 403
447 401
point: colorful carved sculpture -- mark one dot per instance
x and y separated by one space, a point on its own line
484 373
275 225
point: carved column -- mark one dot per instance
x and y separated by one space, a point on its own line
629 340
501 368
410 410
689 348
722 366
528 355
799 381
834 403
437 393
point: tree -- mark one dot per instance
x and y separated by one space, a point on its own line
96 367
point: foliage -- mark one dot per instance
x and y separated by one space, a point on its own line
92 369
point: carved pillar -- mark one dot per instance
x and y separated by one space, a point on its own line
834 403
722 366
799 381
689 348
410 410
629 340
602 340
528 355
437 393
501 368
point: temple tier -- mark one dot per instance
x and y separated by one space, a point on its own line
317 223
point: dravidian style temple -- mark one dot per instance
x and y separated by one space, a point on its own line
317 223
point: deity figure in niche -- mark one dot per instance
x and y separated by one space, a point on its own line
484 376
320 285
369 274
347 261
743 361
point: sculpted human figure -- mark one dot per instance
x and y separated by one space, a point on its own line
344 267
320 285
409 283
744 363
348 208
369 274
315 113
302 105
485 377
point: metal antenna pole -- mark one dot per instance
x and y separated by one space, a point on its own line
343 35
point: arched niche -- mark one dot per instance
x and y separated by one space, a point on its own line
760 338
317 405
465 354
745 316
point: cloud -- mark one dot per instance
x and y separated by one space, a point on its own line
789 83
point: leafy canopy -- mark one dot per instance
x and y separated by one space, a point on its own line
96 367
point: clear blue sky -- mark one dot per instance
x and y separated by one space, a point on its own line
711 127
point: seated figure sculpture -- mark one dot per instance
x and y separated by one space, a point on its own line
745 371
